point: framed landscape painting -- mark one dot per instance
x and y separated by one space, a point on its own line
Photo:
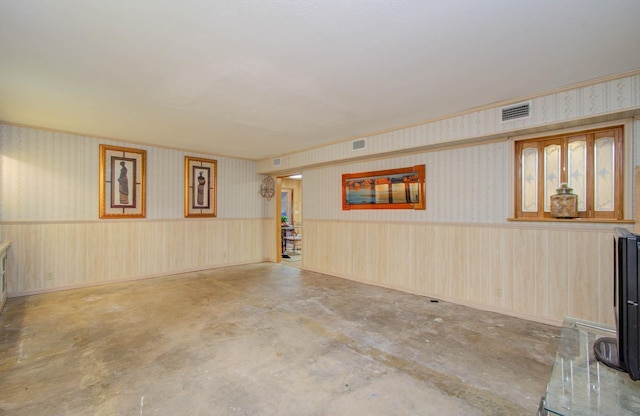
199 187
385 189
122 182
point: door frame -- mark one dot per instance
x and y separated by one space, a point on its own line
277 222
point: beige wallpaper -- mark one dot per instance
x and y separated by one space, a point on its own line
470 184
49 213
54 176
570 106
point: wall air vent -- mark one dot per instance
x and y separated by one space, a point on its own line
358 144
516 111
276 162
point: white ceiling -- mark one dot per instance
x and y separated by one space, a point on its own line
258 78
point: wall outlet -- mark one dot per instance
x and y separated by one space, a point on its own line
498 292
49 275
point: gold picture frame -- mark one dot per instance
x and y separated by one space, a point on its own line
402 188
200 187
122 182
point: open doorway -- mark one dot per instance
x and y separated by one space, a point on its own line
290 215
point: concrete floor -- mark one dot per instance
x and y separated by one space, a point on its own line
294 259
265 339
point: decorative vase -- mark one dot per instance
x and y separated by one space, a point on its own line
564 204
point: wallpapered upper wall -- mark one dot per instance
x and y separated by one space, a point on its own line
472 184
54 176
570 105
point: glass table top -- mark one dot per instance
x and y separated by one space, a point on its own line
580 384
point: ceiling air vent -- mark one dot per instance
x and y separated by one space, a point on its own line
358 144
276 162
516 111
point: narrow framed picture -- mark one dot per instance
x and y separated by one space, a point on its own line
199 187
402 188
122 182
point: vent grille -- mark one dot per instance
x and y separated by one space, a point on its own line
358 144
516 111
276 162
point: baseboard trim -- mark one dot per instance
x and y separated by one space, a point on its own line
127 279
482 307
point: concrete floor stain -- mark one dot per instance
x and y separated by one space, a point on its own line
264 339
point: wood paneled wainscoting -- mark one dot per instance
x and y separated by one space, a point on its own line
534 273
47 256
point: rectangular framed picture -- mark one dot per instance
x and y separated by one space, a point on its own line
122 182
402 188
199 187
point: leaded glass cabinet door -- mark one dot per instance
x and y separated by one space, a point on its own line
529 175
577 170
604 168
607 171
552 172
